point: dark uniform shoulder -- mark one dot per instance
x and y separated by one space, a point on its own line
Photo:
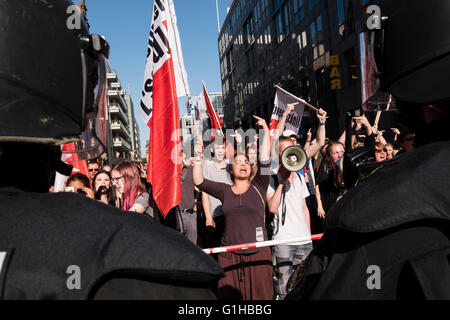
411 187
50 232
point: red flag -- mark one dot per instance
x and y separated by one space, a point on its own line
216 122
165 80
79 166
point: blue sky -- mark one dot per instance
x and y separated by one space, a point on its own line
126 26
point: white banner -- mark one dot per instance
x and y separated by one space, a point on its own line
164 42
282 99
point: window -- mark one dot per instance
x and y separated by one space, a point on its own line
304 89
287 27
316 30
260 13
322 81
229 61
313 32
342 6
250 54
317 43
248 32
352 68
302 41
319 28
299 11
277 3
265 8
312 3
257 14
283 22
267 35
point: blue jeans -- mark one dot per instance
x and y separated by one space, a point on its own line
288 259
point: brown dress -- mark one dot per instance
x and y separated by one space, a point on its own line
248 274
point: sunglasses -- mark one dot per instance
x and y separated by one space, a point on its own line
92 170
380 150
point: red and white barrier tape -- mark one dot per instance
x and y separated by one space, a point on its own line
261 244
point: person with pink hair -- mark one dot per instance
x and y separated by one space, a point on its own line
127 181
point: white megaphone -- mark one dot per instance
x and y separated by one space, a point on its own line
294 158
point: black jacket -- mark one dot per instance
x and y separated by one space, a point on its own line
398 219
119 254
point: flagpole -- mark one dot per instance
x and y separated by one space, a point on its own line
218 23
194 119
214 110
298 99
377 119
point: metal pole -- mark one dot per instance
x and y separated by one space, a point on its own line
218 22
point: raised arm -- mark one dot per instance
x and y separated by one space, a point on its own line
282 122
274 199
366 124
379 133
320 138
264 151
206 209
279 130
396 133
308 142
239 142
198 161
320 210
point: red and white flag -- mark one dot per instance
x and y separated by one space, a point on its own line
282 99
165 80
216 122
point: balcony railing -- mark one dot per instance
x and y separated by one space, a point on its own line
121 143
115 109
117 95
112 76
119 126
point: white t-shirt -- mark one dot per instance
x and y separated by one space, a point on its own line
295 225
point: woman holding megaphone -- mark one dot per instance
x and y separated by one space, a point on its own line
244 203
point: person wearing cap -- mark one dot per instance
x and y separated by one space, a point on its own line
313 147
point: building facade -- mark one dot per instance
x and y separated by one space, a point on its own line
291 43
188 129
134 129
216 99
123 135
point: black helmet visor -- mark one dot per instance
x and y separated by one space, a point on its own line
93 139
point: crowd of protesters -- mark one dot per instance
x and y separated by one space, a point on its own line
228 200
